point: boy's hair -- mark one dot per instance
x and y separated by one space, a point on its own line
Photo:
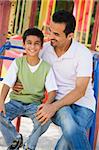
35 32
63 16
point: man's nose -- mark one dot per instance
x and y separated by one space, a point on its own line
51 35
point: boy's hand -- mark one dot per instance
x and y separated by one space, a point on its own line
2 108
17 87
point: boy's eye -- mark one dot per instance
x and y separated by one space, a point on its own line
35 44
38 43
28 42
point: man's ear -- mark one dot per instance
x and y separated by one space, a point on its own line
70 36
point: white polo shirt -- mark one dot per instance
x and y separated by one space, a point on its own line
76 62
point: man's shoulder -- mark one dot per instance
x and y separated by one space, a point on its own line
47 44
45 63
47 48
81 48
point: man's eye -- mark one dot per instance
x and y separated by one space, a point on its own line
56 34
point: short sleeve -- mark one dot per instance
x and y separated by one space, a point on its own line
11 75
85 65
50 83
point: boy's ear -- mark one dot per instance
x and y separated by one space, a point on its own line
23 44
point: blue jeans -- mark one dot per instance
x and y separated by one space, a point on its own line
14 109
74 121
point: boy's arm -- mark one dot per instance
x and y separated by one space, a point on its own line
8 82
4 92
51 97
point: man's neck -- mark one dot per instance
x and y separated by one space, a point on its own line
62 50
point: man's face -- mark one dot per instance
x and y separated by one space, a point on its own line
56 34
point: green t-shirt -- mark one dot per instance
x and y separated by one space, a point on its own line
33 83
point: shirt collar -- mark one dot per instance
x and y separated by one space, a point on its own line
69 53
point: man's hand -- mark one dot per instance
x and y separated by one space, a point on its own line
17 87
45 112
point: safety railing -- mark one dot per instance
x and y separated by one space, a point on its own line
8 46
94 129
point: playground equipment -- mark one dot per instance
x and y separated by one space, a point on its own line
94 129
22 14
19 15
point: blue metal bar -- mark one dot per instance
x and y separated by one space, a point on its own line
17 47
7 58
96 89
8 46
1 79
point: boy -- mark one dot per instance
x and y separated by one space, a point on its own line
36 76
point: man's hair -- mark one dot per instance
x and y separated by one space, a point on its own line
63 16
35 32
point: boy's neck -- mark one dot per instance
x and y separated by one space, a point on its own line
32 60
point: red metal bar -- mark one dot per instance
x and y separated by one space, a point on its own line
4 19
33 13
17 123
49 12
95 28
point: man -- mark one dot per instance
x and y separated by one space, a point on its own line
74 106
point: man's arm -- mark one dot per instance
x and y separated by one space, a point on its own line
4 92
50 109
51 97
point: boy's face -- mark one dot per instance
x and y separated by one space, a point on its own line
32 45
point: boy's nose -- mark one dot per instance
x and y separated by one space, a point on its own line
32 46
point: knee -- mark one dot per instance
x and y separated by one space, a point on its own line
67 122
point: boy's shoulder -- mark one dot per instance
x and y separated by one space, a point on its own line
19 60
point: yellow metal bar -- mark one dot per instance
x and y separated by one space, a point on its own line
43 13
83 20
17 15
12 15
77 18
97 42
27 15
53 8
89 20
88 45
21 18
